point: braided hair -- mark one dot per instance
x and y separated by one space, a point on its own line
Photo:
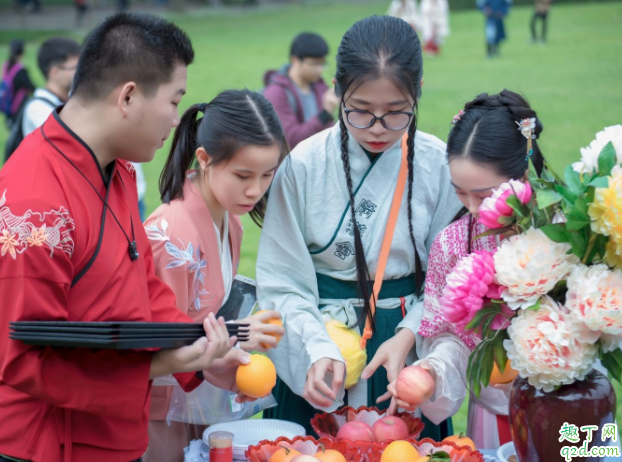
487 133
373 48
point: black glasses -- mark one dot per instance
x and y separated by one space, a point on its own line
393 121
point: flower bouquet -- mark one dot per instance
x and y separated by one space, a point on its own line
549 299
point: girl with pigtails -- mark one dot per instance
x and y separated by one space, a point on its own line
222 160
332 205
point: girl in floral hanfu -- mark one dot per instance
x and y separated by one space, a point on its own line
196 234
485 149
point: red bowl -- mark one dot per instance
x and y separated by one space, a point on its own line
427 446
303 444
327 425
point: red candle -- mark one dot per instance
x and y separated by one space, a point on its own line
221 447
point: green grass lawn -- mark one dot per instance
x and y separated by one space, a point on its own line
573 82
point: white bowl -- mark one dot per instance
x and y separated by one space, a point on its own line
506 451
250 432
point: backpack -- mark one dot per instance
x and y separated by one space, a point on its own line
9 100
16 136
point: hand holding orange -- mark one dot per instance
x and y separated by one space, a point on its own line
257 378
274 321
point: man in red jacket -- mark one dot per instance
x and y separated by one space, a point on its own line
72 248
303 102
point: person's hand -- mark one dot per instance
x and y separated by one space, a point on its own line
398 403
504 387
200 355
260 334
392 356
330 101
316 391
221 372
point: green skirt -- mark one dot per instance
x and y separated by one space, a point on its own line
294 408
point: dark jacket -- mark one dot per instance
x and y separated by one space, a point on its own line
281 92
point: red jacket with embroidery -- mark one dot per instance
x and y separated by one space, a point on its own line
63 257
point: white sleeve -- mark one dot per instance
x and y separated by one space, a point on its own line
449 356
286 283
141 183
35 113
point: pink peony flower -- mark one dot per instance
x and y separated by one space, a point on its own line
548 348
495 206
469 287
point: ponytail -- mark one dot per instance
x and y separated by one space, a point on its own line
181 155
16 49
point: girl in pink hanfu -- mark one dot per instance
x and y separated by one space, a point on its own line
484 150
196 234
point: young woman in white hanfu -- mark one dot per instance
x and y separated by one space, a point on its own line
327 213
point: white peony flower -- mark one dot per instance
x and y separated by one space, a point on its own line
589 154
530 265
610 342
595 298
547 348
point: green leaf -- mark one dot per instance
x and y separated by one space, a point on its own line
506 220
516 205
551 171
546 198
479 317
501 357
578 244
536 306
532 176
486 365
612 366
573 180
617 356
556 232
581 205
576 220
598 249
606 160
599 182
566 193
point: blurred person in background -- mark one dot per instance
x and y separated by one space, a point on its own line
16 85
434 24
57 60
495 12
303 102
541 13
406 10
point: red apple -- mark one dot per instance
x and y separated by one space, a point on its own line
389 428
356 431
415 385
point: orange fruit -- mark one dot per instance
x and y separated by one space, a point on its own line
329 455
461 440
497 378
283 455
399 451
257 378
274 322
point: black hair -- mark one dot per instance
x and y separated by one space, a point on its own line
488 134
130 47
376 47
16 49
309 45
232 120
55 51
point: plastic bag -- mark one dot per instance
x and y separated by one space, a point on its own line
209 405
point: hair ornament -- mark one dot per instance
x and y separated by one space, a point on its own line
202 107
526 127
457 117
